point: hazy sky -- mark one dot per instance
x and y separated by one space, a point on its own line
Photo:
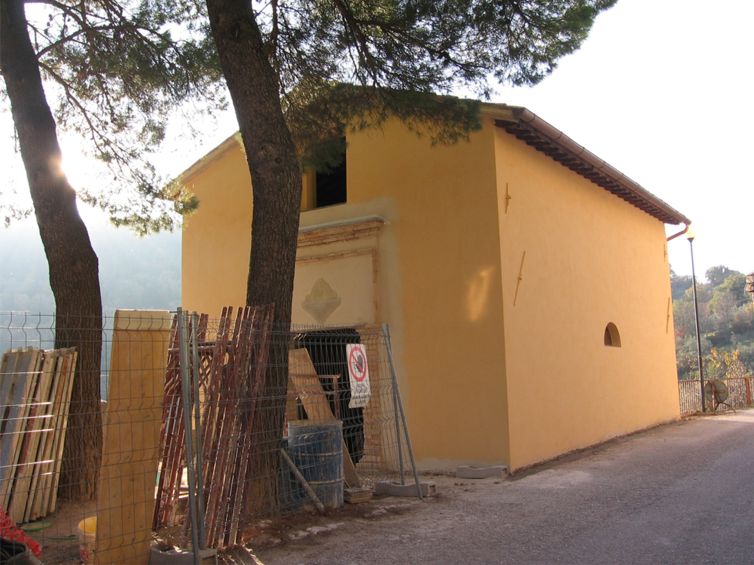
661 89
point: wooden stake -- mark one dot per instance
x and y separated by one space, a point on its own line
67 374
520 277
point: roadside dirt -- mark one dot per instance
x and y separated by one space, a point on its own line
57 533
283 541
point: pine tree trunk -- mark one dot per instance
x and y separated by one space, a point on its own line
276 191
73 264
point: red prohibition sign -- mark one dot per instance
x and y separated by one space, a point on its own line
358 364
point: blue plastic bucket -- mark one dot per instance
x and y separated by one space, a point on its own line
317 451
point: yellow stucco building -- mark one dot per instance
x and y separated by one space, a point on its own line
525 281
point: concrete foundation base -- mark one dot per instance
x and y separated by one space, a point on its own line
173 557
409 489
489 471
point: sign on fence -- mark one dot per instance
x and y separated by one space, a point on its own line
358 373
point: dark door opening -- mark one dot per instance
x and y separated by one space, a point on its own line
327 349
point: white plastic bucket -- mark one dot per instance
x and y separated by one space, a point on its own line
87 531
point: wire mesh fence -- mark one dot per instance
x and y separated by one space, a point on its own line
189 430
739 395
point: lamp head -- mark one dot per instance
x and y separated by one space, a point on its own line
690 234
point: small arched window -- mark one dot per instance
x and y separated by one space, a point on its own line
612 336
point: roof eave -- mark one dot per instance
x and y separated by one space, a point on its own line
228 143
539 134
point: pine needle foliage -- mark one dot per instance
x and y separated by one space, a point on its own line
353 63
114 71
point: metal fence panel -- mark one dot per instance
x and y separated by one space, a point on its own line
206 413
689 393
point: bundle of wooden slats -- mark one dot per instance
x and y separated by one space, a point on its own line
172 435
35 395
231 372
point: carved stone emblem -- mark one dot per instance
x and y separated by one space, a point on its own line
321 301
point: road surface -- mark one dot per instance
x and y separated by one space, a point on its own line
681 493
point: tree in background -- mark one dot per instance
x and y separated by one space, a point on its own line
726 318
717 275
115 72
724 364
300 72
679 284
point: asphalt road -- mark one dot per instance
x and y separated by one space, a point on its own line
681 493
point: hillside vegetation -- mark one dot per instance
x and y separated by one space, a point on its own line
134 272
726 318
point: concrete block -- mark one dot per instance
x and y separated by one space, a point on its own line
391 488
472 472
181 557
357 495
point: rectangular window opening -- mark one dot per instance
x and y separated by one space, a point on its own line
330 185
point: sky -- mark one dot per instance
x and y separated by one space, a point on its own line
661 89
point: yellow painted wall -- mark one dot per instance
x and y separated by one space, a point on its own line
217 238
591 259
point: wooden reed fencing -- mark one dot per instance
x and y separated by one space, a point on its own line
35 394
231 372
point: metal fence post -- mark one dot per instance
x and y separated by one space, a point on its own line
186 398
397 398
385 336
195 360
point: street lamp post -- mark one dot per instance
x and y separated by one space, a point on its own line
690 236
